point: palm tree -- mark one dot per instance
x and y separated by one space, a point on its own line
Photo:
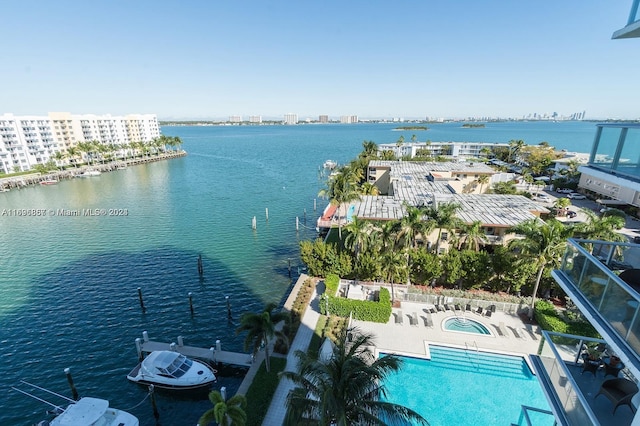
482 180
225 413
444 217
58 157
359 235
260 328
399 144
341 190
471 236
348 389
601 228
544 243
369 149
72 153
514 148
414 224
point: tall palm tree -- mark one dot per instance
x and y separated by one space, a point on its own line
369 149
341 190
72 153
58 157
225 413
348 389
601 228
414 224
359 235
444 217
544 244
261 328
514 148
482 180
471 236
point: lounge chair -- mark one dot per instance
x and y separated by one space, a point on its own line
516 333
457 307
440 308
487 313
619 391
479 311
399 318
491 308
413 319
429 321
447 307
591 366
433 311
502 329
468 307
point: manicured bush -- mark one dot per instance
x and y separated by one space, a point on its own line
550 319
364 310
332 282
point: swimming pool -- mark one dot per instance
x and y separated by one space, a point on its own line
465 325
458 387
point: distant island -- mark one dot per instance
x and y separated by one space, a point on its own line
412 128
470 126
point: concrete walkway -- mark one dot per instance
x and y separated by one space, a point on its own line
277 410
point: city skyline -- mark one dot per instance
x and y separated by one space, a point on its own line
204 61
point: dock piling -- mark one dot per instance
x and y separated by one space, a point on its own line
213 354
253 223
289 267
228 307
200 269
180 341
156 414
141 300
218 345
314 204
223 393
139 348
297 224
191 302
305 216
266 212
145 336
74 392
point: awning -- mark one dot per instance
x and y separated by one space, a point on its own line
612 202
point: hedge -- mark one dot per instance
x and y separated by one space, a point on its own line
332 282
363 310
549 319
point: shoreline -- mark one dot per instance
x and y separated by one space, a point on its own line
21 181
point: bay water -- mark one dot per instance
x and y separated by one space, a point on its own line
68 284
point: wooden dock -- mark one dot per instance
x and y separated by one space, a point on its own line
213 355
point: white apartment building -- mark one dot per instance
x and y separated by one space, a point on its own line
291 118
235 119
29 140
453 149
255 119
348 119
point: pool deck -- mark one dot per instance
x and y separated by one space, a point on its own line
414 340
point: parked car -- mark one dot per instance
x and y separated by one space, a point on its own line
564 190
571 214
543 197
576 196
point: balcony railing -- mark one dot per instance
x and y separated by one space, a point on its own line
607 276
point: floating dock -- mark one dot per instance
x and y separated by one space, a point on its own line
213 355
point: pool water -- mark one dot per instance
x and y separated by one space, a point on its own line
465 325
458 387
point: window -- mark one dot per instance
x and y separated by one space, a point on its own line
444 236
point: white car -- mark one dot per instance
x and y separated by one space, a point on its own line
564 190
576 196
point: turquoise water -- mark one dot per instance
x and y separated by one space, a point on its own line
68 285
457 387
466 325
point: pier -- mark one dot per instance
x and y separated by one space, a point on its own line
213 355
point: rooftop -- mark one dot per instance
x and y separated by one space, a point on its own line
423 168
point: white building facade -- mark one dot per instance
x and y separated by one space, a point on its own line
29 140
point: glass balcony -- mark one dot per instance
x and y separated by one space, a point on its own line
603 278
632 29
572 371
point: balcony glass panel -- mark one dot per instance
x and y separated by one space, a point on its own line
607 145
629 162
608 275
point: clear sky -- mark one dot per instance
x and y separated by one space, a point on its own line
411 59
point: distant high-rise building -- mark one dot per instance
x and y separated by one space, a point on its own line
29 140
255 119
291 118
235 119
323 119
348 119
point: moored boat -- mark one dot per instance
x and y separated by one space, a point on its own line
49 182
330 164
172 370
86 411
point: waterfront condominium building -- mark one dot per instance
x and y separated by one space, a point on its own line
291 118
323 119
256 119
235 119
29 140
349 119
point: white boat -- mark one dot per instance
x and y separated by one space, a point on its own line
330 164
85 412
49 182
89 173
172 370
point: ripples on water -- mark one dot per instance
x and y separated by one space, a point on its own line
68 285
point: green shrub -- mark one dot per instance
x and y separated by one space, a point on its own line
332 282
363 310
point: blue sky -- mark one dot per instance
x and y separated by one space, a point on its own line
411 59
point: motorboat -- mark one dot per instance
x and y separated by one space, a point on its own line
330 164
90 173
49 182
86 411
172 370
